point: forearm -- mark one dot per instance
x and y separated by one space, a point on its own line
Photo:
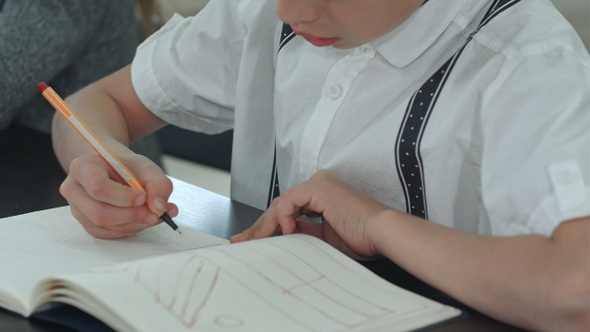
101 113
111 108
530 281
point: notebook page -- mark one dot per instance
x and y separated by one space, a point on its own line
286 283
48 242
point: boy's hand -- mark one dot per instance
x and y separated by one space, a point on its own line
106 206
349 218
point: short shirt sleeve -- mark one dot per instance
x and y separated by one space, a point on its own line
536 160
186 72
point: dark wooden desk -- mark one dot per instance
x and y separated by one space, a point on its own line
30 177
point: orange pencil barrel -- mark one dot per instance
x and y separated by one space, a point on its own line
60 105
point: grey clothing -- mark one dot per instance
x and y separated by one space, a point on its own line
66 43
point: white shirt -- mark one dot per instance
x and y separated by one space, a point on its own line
505 150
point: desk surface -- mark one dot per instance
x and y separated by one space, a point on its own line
30 177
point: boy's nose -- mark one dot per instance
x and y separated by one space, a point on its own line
297 12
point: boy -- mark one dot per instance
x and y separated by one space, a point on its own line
375 116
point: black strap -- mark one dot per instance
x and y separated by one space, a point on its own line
274 190
286 35
408 158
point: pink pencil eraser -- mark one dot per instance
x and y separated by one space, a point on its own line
42 86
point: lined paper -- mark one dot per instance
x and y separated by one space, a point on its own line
51 241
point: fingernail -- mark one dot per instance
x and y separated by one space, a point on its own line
139 200
159 205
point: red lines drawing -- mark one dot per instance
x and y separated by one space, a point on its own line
271 285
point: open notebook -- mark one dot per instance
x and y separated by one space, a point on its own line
162 281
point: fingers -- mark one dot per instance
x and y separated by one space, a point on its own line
92 174
107 208
101 213
267 225
109 231
103 220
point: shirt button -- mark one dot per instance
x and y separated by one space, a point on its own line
333 91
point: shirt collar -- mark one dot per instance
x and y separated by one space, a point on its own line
406 43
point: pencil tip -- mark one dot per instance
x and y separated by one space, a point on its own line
166 218
179 232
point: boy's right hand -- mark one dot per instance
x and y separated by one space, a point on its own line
106 206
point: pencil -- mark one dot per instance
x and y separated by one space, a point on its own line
60 105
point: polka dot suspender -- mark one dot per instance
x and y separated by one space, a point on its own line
408 159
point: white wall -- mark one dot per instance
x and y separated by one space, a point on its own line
577 12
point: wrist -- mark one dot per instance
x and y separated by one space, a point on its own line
383 232
394 233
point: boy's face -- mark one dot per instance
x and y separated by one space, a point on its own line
345 23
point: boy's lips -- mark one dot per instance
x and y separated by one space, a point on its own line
318 41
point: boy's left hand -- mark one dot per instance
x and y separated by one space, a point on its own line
349 218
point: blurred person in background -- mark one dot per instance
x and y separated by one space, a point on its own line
68 44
